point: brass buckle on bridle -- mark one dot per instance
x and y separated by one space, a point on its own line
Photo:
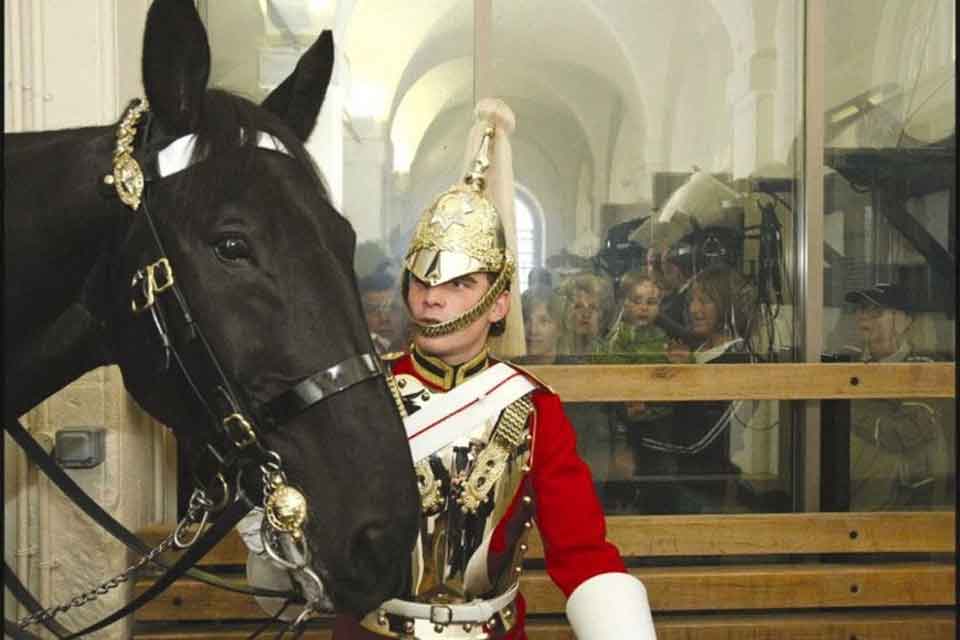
154 278
242 435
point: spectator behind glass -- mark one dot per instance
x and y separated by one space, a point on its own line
585 308
589 311
723 311
900 457
538 278
674 271
635 338
542 312
378 295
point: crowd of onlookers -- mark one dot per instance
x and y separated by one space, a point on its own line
669 312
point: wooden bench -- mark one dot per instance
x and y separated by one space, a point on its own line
783 576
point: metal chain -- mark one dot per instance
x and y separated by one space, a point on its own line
198 503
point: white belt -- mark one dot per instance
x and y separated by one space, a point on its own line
476 612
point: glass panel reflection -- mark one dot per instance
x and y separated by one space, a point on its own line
889 454
669 197
656 165
890 189
890 246
687 457
649 174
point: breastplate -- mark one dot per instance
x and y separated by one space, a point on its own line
466 490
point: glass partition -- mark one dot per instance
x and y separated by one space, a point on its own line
657 160
890 187
890 245
889 454
655 143
687 457
655 146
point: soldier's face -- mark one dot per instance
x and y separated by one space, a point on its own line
446 301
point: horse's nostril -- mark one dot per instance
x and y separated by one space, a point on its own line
371 548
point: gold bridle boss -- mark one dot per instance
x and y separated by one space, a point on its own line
459 234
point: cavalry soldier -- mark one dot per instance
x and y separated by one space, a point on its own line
492 448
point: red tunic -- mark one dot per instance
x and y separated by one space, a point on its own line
565 506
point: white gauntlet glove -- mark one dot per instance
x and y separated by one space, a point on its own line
262 572
610 606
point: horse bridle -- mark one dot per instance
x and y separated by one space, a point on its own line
236 442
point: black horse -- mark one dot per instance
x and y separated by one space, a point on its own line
263 264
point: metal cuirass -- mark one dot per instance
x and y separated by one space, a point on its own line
466 489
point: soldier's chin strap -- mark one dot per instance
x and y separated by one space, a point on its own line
468 317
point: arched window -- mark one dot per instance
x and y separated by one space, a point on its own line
529 220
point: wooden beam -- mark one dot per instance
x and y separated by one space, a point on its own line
791 381
191 600
781 533
774 586
724 534
239 631
687 588
889 625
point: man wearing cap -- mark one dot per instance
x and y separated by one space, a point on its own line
382 310
897 453
492 448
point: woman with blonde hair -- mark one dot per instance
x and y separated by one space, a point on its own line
589 314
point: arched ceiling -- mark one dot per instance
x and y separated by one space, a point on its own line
603 62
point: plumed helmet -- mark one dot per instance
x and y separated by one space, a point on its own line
469 228
460 232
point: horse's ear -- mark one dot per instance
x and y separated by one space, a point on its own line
176 63
298 98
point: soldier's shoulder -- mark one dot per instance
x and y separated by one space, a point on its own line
534 377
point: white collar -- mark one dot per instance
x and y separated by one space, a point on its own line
899 355
704 356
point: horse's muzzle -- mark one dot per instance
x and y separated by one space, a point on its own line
378 557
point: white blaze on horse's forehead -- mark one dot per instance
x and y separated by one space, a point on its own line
176 156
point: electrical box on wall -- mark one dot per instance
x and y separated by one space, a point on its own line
80 447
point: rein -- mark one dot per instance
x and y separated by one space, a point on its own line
234 438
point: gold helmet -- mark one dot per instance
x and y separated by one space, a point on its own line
462 233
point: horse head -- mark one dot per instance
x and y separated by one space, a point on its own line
236 254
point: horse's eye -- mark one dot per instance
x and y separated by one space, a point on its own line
232 249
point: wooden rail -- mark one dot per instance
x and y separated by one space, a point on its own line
689 589
788 580
726 535
845 576
843 625
793 381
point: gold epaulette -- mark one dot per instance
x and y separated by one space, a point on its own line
532 376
